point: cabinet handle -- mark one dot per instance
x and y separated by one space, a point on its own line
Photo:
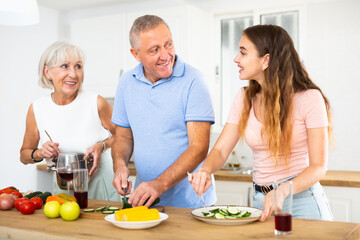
217 73
249 196
121 73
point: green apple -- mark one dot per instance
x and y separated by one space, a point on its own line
52 209
70 211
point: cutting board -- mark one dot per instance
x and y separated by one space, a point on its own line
100 215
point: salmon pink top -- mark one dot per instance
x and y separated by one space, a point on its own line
309 112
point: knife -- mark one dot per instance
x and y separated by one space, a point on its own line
125 189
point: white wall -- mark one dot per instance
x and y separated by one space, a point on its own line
333 49
20 51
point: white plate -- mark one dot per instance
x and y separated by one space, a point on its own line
255 215
135 225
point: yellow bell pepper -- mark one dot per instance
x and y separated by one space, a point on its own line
140 213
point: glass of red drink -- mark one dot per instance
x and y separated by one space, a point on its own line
81 182
65 166
283 207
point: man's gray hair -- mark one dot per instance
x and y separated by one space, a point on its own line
143 24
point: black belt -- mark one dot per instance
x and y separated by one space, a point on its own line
263 188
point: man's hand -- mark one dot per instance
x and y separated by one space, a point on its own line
120 180
121 152
146 191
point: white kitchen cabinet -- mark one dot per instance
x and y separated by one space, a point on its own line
344 203
105 41
233 193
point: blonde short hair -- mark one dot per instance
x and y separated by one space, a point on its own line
55 55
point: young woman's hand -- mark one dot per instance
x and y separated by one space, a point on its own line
268 206
201 181
268 202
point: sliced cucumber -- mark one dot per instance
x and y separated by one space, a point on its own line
101 208
210 215
89 210
247 214
107 212
223 211
113 209
233 210
219 216
216 210
228 212
241 213
205 213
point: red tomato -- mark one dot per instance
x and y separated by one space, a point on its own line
9 191
27 207
17 194
18 202
37 201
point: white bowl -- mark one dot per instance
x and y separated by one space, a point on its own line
135 225
255 215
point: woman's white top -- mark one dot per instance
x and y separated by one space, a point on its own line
75 126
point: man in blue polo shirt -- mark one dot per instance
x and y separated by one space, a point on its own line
162 113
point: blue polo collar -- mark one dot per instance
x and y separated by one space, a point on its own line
178 71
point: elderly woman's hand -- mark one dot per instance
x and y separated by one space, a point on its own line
95 151
49 150
201 181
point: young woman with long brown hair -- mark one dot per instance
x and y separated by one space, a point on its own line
284 117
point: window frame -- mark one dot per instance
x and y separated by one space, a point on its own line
256 14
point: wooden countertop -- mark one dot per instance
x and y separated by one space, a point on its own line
332 178
179 225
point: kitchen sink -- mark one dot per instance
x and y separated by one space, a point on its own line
243 171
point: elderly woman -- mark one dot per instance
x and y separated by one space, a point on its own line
77 121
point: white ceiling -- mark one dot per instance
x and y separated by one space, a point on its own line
67 5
